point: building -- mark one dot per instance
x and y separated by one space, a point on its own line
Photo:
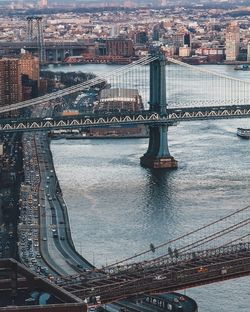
1 148
184 51
19 79
119 99
176 40
30 70
120 47
214 55
248 52
10 81
141 37
187 39
43 3
30 66
232 41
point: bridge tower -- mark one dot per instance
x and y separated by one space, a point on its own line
35 33
30 29
158 155
40 39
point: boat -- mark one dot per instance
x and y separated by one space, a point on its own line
244 67
243 133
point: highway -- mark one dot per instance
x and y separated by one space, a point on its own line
45 243
57 225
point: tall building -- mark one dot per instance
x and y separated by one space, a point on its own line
163 3
10 81
30 66
141 37
115 30
30 70
187 39
232 41
178 39
43 3
248 52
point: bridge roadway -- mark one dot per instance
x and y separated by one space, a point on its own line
167 275
172 116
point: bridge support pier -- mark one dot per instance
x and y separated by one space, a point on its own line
158 155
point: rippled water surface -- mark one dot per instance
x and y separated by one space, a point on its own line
117 208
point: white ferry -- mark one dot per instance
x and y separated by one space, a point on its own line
244 133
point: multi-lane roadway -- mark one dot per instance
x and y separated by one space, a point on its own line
45 243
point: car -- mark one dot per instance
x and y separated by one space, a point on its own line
62 238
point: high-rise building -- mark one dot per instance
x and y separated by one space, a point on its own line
248 52
232 41
30 70
141 37
115 30
10 81
30 66
187 39
43 3
163 2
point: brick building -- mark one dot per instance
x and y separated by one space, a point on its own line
10 81
120 47
30 66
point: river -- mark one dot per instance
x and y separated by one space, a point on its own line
116 208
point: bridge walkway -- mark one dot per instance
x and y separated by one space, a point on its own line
218 264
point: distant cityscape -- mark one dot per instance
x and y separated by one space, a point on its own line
196 34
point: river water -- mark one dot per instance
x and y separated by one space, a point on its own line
116 208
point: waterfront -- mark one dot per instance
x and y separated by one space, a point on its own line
117 208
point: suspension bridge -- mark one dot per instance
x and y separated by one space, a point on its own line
215 252
166 87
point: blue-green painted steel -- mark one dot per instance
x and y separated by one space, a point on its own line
158 138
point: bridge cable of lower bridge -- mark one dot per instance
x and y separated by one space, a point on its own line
187 249
142 273
175 240
78 87
190 247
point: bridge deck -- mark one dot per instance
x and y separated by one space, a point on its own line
166 275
